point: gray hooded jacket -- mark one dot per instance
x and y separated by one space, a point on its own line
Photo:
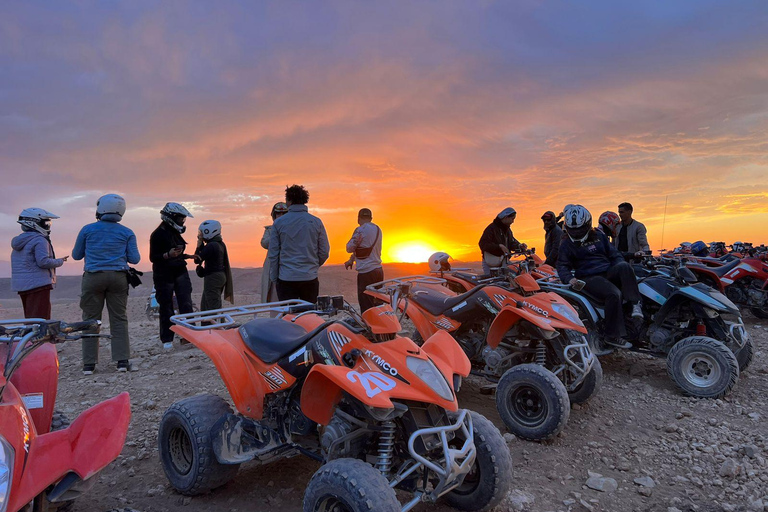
33 262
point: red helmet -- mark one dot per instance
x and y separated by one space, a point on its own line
610 220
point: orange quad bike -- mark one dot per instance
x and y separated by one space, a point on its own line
531 343
378 411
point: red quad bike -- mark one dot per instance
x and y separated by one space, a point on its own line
45 462
744 281
531 343
378 411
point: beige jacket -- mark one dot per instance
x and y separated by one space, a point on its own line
637 238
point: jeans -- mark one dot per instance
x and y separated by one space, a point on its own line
611 287
164 291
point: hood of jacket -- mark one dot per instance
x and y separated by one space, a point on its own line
20 241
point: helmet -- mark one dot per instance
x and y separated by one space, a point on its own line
279 209
110 204
210 229
173 214
439 262
738 247
699 249
578 222
36 219
611 221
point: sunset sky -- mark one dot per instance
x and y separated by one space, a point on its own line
434 114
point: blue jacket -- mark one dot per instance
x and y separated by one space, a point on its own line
33 262
106 245
298 245
594 256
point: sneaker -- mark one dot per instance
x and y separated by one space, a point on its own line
637 311
168 346
124 366
618 343
88 369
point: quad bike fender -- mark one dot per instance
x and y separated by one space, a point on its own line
580 301
325 386
509 316
93 440
231 358
447 354
38 378
713 279
414 314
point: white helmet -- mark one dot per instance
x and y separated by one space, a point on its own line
173 214
439 262
577 222
110 204
210 228
37 219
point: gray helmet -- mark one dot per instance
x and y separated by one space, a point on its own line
173 214
439 262
110 204
36 219
210 229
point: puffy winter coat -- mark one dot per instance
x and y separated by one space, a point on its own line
33 262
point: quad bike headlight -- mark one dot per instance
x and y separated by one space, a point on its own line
567 312
6 473
430 375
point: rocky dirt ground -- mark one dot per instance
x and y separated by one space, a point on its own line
637 446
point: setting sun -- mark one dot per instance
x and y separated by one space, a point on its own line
410 252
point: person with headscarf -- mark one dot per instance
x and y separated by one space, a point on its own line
497 240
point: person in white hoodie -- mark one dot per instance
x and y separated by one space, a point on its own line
33 262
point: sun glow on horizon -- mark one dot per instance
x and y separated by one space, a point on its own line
410 252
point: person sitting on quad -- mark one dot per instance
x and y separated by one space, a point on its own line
498 241
552 237
586 254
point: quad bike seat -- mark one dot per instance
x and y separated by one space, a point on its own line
437 302
472 278
721 271
271 339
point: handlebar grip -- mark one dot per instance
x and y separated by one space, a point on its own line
302 309
87 325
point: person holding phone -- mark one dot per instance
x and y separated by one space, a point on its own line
169 267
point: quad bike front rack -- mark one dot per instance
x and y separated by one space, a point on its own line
225 317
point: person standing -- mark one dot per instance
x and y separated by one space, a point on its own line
213 266
268 287
169 267
298 246
108 247
498 241
365 246
33 262
553 234
631 238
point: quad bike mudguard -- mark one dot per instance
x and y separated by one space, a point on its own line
238 367
93 440
38 377
447 355
510 315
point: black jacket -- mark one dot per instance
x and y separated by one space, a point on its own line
498 233
162 240
214 256
552 239
593 256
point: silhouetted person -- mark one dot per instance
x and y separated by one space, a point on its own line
365 246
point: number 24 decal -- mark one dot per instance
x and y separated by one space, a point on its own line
373 382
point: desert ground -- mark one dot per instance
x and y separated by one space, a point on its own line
651 448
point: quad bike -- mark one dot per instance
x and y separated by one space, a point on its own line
46 462
683 321
379 412
531 343
744 281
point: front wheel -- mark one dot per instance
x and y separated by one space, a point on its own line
589 386
490 478
186 447
703 367
349 485
745 355
532 402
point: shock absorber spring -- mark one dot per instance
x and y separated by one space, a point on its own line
386 447
541 354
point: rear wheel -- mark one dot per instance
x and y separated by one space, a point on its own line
744 355
703 367
589 386
532 402
761 313
186 448
490 478
349 485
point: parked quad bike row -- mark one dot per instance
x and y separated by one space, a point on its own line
377 409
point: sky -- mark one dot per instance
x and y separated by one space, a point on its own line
436 115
